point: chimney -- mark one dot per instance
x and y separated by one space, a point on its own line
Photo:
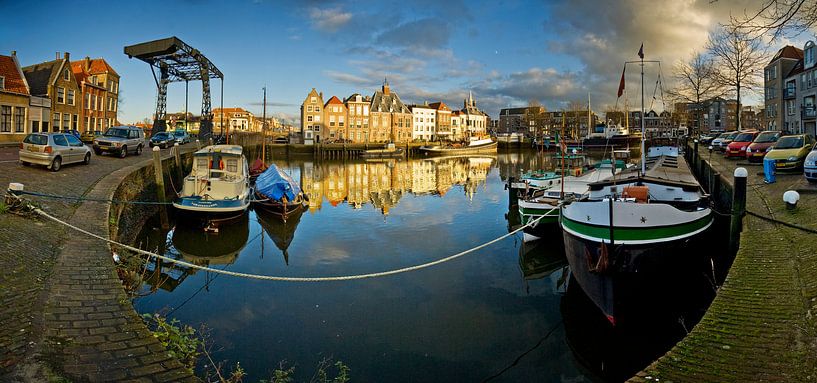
87 63
321 94
67 56
14 53
57 56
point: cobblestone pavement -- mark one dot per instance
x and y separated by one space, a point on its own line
761 325
43 276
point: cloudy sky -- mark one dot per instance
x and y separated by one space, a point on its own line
505 52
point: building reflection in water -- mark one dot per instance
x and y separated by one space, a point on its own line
382 183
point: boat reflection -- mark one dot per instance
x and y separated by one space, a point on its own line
282 232
542 259
219 245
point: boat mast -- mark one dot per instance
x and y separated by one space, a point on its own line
563 149
643 133
264 129
589 120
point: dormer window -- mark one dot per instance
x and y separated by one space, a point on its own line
808 55
65 75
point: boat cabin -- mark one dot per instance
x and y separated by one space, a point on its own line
219 172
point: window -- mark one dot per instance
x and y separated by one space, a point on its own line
358 109
66 120
309 118
71 97
56 124
317 118
312 99
75 122
35 126
45 126
65 75
19 119
73 140
309 108
2 82
60 140
232 165
5 119
87 100
61 95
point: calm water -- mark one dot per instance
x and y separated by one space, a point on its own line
502 310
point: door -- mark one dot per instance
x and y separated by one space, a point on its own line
62 148
76 150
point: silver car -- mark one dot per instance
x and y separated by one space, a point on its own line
53 150
120 140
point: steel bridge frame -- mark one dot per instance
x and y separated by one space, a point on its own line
172 60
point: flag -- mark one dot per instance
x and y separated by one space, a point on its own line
621 84
641 51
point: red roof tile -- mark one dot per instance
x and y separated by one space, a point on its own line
334 100
11 73
100 66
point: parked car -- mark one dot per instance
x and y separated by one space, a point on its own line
810 166
162 140
706 139
790 151
120 140
72 131
53 150
737 148
761 145
725 140
181 137
716 142
89 135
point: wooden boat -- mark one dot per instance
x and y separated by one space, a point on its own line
218 183
474 146
282 232
277 193
258 166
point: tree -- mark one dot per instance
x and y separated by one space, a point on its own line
778 17
740 60
696 80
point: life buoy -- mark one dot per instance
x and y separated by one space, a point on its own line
221 164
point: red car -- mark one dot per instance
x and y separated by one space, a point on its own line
737 148
761 145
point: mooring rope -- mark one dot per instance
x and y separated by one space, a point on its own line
82 199
291 279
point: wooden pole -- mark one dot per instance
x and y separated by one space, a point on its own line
738 208
178 159
160 187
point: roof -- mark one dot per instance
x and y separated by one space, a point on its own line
334 100
100 66
510 111
796 69
229 110
788 52
14 81
224 149
439 106
382 102
39 76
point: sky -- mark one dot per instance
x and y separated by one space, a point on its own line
506 53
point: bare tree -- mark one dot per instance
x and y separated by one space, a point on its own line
696 80
779 17
740 59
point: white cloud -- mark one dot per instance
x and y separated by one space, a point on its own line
330 19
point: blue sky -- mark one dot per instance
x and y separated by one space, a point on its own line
505 52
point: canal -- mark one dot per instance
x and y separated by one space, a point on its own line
508 312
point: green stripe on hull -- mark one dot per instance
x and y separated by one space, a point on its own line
546 219
637 233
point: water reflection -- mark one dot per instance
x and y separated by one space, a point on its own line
219 245
282 232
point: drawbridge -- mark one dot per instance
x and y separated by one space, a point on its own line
171 60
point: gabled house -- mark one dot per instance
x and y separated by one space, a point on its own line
390 118
99 87
55 80
14 100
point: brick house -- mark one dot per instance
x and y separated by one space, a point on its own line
92 110
103 75
357 108
312 117
55 80
390 118
14 100
334 119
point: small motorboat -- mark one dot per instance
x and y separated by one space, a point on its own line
277 193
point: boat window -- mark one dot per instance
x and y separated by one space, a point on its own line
201 164
232 166
216 162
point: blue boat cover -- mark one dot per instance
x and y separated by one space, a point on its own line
274 183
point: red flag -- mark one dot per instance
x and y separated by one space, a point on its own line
621 84
641 51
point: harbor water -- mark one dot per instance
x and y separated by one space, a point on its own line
508 312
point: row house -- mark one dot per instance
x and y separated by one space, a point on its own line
800 94
312 117
335 119
234 119
390 118
513 120
442 129
183 121
714 115
55 80
357 108
774 75
424 125
14 100
99 87
474 121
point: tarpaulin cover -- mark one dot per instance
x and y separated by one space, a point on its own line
273 183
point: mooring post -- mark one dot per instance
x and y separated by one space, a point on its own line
695 157
198 144
178 157
738 208
160 187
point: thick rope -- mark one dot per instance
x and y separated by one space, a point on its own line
290 279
